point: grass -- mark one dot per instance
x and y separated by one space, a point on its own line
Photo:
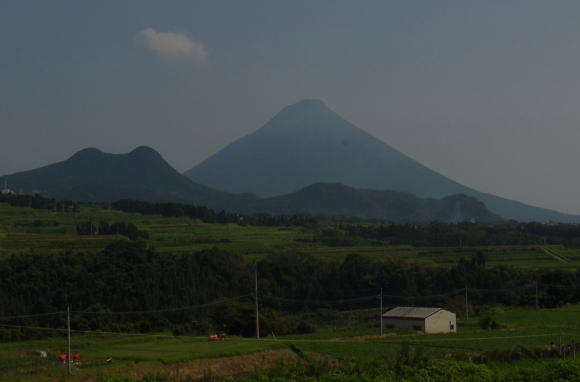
20 233
523 327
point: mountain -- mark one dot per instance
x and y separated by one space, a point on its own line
94 176
335 199
91 175
307 143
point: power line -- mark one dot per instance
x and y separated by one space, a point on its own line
501 289
315 302
492 338
97 332
445 294
2 318
289 300
80 312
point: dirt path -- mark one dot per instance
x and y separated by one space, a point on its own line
555 255
232 366
238 365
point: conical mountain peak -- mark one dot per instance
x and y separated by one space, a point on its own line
306 105
306 109
304 119
307 143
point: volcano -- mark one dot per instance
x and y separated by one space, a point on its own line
308 143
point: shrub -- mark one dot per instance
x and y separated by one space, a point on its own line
488 322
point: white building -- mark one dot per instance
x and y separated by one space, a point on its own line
6 190
428 320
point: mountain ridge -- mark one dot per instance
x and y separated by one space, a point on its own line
335 199
92 175
307 143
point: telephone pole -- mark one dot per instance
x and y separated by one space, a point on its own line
256 300
69 350
381 312
466 305
536 295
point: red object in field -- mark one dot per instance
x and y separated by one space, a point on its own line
62 357
76 356
216 337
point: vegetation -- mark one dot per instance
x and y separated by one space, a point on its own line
528 345
131 276
129 230
153 300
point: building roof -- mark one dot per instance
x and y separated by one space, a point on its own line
410 312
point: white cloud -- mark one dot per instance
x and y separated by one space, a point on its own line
173 45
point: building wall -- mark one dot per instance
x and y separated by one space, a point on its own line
441 322
401 323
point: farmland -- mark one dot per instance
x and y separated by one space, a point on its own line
137 355
25 230
306 282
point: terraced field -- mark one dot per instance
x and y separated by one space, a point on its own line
24 230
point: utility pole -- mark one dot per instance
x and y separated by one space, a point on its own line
256 299
68 326
381 310
466 305
536 295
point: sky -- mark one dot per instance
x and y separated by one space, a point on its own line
484 92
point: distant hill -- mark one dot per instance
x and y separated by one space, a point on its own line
94 176
307 143
334 199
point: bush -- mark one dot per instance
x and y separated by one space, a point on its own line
305 327
488 322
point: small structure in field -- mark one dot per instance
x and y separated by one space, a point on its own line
428 320
216 337
6 190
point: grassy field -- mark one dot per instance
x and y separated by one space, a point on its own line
21 232
25 230
532 329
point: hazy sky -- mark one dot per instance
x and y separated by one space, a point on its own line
485 92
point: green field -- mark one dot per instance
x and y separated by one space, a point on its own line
151 353
354 337
21 233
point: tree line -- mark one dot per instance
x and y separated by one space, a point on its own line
39 202
130 276
129 230
209 215
436 234
202 213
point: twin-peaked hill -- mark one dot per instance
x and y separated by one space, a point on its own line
307 143
94 176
